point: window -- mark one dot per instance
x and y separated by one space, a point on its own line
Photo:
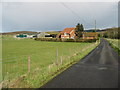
66 34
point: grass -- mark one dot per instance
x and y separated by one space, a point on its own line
44 61
115 43
0 62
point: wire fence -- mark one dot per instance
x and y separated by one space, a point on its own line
13 69
16 67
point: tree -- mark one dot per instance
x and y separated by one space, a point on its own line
78 31
93 30
82 28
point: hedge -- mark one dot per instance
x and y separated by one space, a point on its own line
65 40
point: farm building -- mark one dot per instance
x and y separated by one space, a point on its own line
53 33
21 36
90 35
25 36
43 35
50 34
67 33
70 33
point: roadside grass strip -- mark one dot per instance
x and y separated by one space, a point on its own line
115 43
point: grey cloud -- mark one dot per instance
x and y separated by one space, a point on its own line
55 16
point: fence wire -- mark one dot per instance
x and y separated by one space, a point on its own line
15 67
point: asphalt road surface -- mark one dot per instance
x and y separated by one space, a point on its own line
99 69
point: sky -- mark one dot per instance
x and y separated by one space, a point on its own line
55 16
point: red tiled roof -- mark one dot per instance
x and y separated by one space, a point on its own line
90 34
67 30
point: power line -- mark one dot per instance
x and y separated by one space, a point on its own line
95 25
73 12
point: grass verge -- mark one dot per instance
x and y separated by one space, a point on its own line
115 44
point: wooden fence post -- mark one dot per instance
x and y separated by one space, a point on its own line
69 51
1 83
61 60
57 56
28 64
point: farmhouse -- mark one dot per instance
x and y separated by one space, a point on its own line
67 33
70 33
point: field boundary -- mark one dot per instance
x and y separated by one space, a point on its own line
65 40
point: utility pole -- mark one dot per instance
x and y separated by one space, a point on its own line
95 25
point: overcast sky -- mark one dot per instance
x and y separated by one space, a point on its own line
51 16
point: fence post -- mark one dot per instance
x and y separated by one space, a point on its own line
61 60
69 51
1 83
28 64
57 56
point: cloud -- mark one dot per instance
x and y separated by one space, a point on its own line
0 17
59 0
56 16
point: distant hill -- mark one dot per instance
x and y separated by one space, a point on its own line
28 32
19 32
114 28
53 32
49 32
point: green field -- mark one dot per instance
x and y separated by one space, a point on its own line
0 61
45 59
115 43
